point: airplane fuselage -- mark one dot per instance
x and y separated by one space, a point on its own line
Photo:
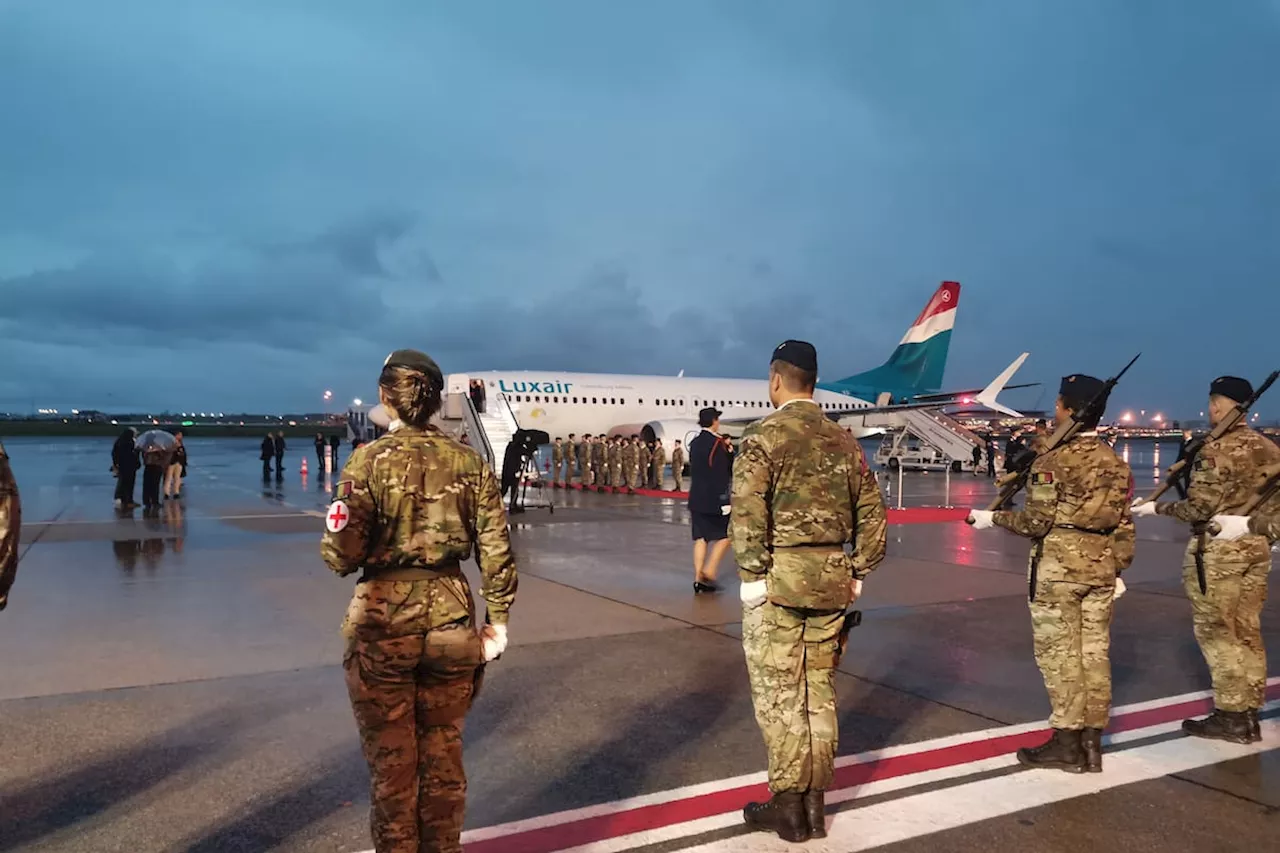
600 403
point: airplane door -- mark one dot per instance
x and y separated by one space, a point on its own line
457 387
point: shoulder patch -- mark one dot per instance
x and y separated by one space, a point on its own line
342 490
1203 463
337 518
1042 478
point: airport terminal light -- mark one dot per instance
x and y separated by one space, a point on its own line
1158 418
1127 417
357 402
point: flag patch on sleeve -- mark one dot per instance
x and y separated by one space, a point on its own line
342 491
1043 478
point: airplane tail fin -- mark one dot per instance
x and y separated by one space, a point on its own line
921 357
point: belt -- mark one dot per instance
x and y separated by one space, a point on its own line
810 546
1106 532
413 573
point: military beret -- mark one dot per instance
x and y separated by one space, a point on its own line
411 359
799 353
1078 390
1231 387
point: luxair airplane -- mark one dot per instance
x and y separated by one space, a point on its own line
665 408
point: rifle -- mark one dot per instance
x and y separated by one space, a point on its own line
1013 482
852 619
1237 414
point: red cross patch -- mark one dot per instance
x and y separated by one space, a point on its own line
338 517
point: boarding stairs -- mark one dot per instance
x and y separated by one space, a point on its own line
938 430
490 431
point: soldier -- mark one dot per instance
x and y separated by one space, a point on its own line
10 528
801 490
1226 616
408 509
600 470
571 460
584 456
1077 513
657 464
617 465
677 466
557 461
1234 527
627 458
645 457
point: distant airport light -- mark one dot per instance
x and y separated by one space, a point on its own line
1159 418
1127 417
328 395
357 402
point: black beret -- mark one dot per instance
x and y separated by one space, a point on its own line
708 416
1231 387
1078 390
799 353
411 359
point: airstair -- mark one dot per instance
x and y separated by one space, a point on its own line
488 431
953 443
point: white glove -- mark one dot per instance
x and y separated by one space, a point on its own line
982 519
753 593
1120 588
724 510
493 640
855 589
1233 526
1142 508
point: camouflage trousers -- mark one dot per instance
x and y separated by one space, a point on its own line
636 482
410 696
1071 629
615 476
1228 626
588 476
791 663
557 467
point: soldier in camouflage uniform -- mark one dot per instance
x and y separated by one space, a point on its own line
599 466
1077 513
571 460
677 466
657 464
801 491
10 528
616 465
1227 615
557 462
644 457
409 507
1256 525
586 452
627 458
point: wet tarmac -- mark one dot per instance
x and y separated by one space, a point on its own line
171 682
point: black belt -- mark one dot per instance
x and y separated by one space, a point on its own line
810 546
413 573
1107 532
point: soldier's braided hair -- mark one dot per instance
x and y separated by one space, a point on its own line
414 396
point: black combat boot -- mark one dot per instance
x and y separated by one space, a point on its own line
1061 751
815 809
1230 726
1255 725
783 814
1091 743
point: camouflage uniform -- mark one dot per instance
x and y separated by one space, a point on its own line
616 465
657 465
1077 512
571 461
10 528
643 458
599 470
1227 616
1268 526
557 460
416 501
800 491
677 467
627 459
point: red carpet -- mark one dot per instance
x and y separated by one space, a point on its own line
907 515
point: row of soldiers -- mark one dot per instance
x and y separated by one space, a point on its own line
614 462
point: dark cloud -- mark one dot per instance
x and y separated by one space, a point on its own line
189 213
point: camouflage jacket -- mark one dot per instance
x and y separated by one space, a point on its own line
415 498
1077 508
627 456
10 528
677 458
801 491
659 457
557 453
643 456
571 453
598 454
1265 525
1224 476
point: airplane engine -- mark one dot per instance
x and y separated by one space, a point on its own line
669 432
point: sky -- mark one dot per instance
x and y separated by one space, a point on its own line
237 205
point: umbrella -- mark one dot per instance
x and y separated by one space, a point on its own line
156 439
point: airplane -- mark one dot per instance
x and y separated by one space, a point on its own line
665 408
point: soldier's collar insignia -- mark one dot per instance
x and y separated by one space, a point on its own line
342 490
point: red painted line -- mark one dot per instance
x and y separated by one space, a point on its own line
908 515
646 818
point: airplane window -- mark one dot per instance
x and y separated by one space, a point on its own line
575 399
682 402
593 399
623 401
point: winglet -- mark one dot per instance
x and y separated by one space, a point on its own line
988 395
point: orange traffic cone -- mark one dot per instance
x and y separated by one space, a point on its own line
304 466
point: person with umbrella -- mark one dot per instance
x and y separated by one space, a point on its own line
157 447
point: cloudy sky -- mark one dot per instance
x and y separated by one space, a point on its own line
238 204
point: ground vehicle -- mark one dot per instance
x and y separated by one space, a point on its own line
903 449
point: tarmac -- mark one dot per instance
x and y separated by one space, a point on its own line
173 683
